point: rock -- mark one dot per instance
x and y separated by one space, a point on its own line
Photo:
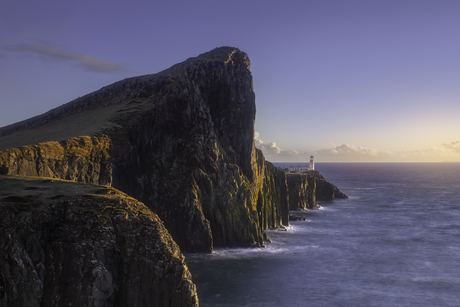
306 188
63 244
325 191
267 237
82 159
282 228
297 218
180 141
302 191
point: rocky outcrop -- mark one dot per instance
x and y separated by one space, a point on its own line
81 159
306 188
302 191
325 191
181 141
272 198
64 244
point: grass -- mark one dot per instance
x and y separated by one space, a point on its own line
98 120
88 123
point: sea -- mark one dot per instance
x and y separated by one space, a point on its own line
394 242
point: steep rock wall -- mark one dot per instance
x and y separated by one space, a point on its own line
83 159
305 189
325 191
191 156
302 191
181 141
273 196
66 244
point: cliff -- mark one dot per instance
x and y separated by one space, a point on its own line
306 188
324 190
302 191
64 244
181 141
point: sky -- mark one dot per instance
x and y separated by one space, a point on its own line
343 80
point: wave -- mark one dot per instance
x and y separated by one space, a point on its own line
350 197
271 249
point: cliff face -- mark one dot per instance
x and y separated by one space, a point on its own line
63 244
305 189
181 141
324 190
81 159
302 191
191 156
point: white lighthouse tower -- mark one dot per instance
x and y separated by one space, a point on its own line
312 163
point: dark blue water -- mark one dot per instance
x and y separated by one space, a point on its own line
394 242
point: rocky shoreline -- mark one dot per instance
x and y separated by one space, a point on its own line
182 143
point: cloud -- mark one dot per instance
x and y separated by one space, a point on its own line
346 152
87 62
433 151
271 148
349 153
346 149
342 152
453 146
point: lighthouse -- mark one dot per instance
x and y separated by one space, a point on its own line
312 163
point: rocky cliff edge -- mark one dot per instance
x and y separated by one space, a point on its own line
64 244
181 141
307 188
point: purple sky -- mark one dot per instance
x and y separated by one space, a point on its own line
342 80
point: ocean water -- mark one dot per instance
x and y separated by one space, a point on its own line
394 242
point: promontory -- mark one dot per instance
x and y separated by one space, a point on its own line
174 148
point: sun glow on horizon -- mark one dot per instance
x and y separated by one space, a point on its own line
444 152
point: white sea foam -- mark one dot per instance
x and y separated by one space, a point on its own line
350 197
326 208
246 253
